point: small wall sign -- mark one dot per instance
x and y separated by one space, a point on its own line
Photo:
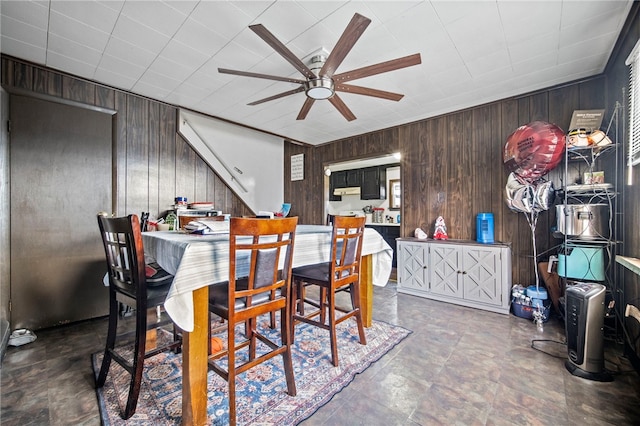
297 167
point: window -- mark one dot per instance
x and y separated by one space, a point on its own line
633 61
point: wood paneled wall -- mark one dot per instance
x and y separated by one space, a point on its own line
152 163
617 82
452 167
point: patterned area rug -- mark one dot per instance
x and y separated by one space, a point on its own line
261 391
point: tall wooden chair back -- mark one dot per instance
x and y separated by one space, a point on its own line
341 273
129 285
266 246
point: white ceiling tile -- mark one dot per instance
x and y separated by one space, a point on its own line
185 91
129 53
315 39
489 63
539 18
574 34
286 20
476 35
140 35
534 46
156 15
155 79
451 11
173 70
71 49
72 29
115 79
151 90
575 11
113 4
20 49
599 45
207 77
199 37
34 13
91 13
118 65
235 56
224 18
184 56
389 10
25 33
184 7
320 9
70 65
533 63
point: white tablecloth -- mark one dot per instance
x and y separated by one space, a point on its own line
200 260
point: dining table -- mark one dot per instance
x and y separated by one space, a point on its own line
197 261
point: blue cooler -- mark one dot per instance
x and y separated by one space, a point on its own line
538 296
484 228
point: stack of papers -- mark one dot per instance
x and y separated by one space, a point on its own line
207 227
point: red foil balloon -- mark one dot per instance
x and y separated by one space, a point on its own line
533 150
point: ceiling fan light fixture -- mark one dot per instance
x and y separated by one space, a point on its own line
319 88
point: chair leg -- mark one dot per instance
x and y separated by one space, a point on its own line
111 341
355 303
323 304
332 326
292 307
138 364
252 337
287 340
232 373
298 299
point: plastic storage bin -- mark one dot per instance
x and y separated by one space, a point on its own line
582 262
526 311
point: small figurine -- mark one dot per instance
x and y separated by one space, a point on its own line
419 233
441 230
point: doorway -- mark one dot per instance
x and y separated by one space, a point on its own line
60 170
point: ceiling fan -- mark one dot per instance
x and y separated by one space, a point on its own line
321 80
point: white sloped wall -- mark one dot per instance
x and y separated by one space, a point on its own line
250 162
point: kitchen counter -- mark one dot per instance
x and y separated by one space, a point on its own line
389 231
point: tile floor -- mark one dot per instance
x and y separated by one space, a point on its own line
459 366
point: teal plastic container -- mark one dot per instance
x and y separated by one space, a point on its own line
484 228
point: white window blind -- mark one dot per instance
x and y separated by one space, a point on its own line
633 61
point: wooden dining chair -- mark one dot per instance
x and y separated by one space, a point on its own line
267 246
185 219
341 273
129 285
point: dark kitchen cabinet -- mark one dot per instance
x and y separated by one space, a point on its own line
374 183
389 234
337 180
354 178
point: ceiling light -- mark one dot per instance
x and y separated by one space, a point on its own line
319 88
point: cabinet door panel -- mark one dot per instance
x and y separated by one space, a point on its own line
354 177
445 270
482 275
413 272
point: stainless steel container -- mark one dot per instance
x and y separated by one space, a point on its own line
585 221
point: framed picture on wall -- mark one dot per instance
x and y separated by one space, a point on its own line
394 194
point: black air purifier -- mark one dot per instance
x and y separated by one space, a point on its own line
584 325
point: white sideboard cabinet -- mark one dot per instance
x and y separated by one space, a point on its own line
457 271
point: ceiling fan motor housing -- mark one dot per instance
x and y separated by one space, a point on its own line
320 87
